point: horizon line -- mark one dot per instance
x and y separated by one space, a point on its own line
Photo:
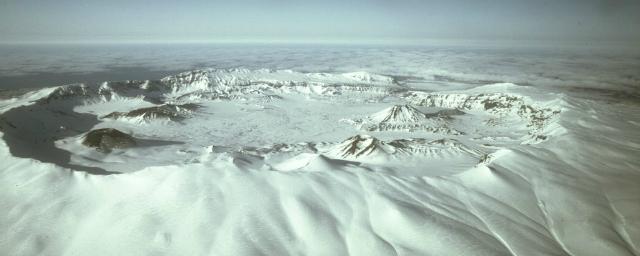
378 41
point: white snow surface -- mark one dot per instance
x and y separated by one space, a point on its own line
276 162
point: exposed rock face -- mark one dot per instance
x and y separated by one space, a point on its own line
188 81
360 145
166 111
67 92
537 117
497 103
107 139
446 114
365 147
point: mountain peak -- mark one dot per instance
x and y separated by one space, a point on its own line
399 114
361 145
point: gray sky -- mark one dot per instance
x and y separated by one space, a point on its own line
339 20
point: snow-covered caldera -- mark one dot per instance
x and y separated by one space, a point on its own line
280 162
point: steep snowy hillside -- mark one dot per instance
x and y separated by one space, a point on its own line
279 162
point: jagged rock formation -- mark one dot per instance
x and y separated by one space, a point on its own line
192 80
446 114
107 139
166 111
228 84
366 146
536 117
494 102
433 148
360 146
67 92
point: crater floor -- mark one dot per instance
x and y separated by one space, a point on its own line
262 119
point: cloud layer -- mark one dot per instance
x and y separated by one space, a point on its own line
447 66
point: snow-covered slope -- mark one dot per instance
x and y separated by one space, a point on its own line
271 163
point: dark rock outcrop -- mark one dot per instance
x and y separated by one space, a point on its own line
107 139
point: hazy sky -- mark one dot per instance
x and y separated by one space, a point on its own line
356 20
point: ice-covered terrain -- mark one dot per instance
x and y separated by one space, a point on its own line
283 162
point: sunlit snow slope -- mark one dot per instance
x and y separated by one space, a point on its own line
279 162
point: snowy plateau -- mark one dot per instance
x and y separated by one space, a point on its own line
282 162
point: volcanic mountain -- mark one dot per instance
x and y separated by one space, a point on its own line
408 118
361 146
399 114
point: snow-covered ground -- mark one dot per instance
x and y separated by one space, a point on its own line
282 162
